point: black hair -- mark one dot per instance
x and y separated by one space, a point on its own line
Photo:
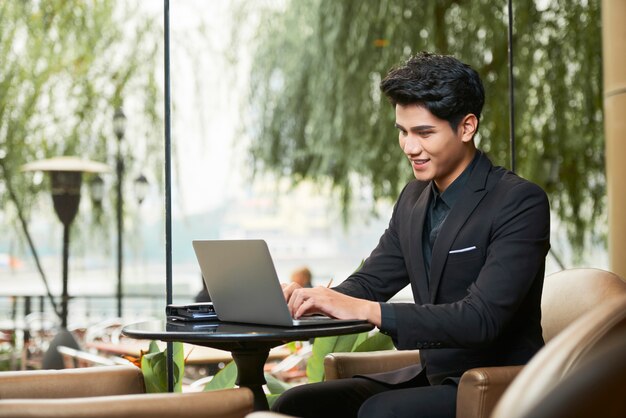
445 86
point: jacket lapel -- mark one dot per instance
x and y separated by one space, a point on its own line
418 216
472 194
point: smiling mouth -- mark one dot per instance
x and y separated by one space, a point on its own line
420 162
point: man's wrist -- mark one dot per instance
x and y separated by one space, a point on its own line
372 313
388 324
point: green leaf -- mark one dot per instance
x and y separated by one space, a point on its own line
376 342
154 368
271 398
344 343
325 345
362 337
224 379
293 346
153 347
275 385
178 355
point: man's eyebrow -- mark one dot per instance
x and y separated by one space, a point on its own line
418 128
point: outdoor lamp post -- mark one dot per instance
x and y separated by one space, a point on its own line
141 188
96 189
97 195
66 179
119 128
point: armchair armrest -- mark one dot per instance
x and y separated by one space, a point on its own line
228 403
481 388
343 365
71 383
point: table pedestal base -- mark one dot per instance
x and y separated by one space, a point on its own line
250 374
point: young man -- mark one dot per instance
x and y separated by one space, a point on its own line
471 240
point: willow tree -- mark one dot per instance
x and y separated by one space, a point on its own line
319 114
65 65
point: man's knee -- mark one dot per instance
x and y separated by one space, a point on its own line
431 401
289 402
337 398
375 407
310 400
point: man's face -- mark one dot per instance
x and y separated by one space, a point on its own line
436 152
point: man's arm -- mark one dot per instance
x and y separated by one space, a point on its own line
382 275
384 272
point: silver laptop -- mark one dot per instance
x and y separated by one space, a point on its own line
243 284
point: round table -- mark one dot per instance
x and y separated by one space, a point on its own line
249 344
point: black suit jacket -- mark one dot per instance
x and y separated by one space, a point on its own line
481 306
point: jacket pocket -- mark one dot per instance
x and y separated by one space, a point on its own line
464 253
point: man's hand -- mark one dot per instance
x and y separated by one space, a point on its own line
307 301
288 289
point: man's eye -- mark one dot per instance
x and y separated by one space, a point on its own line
403 133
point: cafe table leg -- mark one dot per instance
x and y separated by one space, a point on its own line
250 373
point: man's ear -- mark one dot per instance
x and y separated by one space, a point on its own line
468 127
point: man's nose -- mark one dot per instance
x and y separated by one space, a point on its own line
412 145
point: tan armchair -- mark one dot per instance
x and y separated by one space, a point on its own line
581 372
595 388
112 391
342 365
567 295
562 356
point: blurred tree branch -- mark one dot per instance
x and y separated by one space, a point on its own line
64 67
319 115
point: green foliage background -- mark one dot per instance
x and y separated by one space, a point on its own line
318 114
316 111
64 67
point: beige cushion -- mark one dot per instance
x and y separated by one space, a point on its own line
230 403
595 389
343 365
561 356
571 293
71 383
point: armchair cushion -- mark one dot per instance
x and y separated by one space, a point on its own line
229 403
344 365
569 294
561 356
71 383
481 388
264 414
595 389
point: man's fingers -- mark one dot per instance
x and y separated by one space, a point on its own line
304 308
317 300
288 289
295 300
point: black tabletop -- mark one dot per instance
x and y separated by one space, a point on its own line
210 333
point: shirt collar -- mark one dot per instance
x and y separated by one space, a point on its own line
452 193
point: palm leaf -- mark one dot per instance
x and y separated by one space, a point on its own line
224 379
